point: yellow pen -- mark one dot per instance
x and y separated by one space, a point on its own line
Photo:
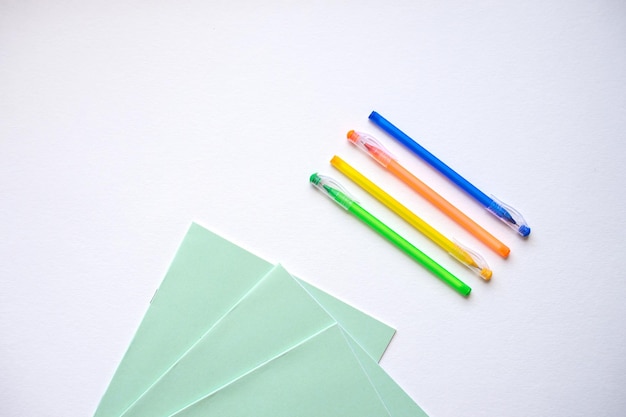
464 255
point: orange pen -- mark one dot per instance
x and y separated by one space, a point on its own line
377 151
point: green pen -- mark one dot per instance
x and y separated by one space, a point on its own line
340 196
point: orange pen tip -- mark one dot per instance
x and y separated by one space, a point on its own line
352 135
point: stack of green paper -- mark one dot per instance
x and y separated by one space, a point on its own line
229 334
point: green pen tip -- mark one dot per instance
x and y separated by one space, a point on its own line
314 178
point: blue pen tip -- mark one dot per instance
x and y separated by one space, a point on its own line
524 230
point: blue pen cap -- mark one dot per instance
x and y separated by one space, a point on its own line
524 230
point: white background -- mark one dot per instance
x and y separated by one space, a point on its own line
121 122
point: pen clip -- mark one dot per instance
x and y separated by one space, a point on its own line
333 190
371 146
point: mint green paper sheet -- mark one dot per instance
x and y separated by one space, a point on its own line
206 278
320 377
277 317
398 403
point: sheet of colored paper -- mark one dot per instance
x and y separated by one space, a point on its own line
276 318
398 403
320 377
317 378
206 278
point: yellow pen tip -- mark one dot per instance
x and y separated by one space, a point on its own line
486 273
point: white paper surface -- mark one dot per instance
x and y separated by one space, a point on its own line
122 122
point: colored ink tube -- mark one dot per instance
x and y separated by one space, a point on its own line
468 258
337 193
377 151
508 215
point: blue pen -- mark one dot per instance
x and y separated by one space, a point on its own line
508 215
